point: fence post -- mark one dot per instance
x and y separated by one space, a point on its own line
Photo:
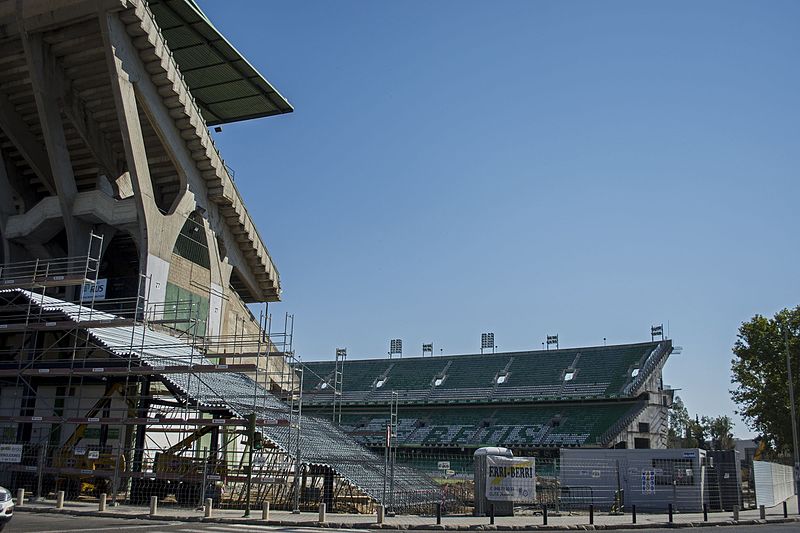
736 512
669 510
265 511
322 513
207 507
42 455
101 503
591 514
762 513
381 510
60 499
20 497
153 505
633 513
544 514
491 513
705 512
438 513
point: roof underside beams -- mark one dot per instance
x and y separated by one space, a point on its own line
71 30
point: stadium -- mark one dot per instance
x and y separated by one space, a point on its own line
607 396
138 357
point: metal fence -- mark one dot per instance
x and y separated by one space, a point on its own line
186 479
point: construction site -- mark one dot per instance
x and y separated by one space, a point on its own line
139 355
131 361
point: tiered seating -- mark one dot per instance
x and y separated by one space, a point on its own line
522 426
599 372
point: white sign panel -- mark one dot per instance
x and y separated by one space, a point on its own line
444 465
511 479
10 453
99 290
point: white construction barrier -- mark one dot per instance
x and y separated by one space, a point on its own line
774 483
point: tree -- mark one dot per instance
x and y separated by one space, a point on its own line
720 430
679 422
708 433
759 372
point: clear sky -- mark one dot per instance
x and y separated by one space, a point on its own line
579 168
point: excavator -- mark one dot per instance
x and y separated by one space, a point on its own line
90 458
183 474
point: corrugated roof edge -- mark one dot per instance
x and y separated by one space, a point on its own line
287 108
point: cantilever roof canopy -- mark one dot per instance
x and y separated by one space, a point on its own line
225 85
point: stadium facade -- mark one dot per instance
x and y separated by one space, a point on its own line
129 360
602 397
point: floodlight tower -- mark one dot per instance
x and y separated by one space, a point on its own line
395 347
657 331
427 348
552 339
487 341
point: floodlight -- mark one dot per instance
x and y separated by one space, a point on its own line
396 347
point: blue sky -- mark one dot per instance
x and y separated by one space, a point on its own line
580 168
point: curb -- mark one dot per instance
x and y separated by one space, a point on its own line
405 527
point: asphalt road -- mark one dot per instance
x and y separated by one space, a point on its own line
49 523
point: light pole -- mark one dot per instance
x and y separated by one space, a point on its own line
793 414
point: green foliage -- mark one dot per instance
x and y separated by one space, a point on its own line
708 433
759 372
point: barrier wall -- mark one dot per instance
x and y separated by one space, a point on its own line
774 483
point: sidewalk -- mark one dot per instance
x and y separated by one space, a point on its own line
356 521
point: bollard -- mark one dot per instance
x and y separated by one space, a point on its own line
208 507
762 513
591 514
438 513
633 513
544 515
153 505
669 510
322 513
785 510
60 499
491 514
265 511
381 513
20 497
736 513
101 503
705 512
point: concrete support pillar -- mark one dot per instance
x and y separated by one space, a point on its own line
42 66
381 510
265 511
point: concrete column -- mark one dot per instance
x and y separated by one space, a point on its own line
153 505
208 507
381 510
60 499
20 497
265 511
101 504
322 513
42 66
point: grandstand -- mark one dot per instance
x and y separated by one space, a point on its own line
602 396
